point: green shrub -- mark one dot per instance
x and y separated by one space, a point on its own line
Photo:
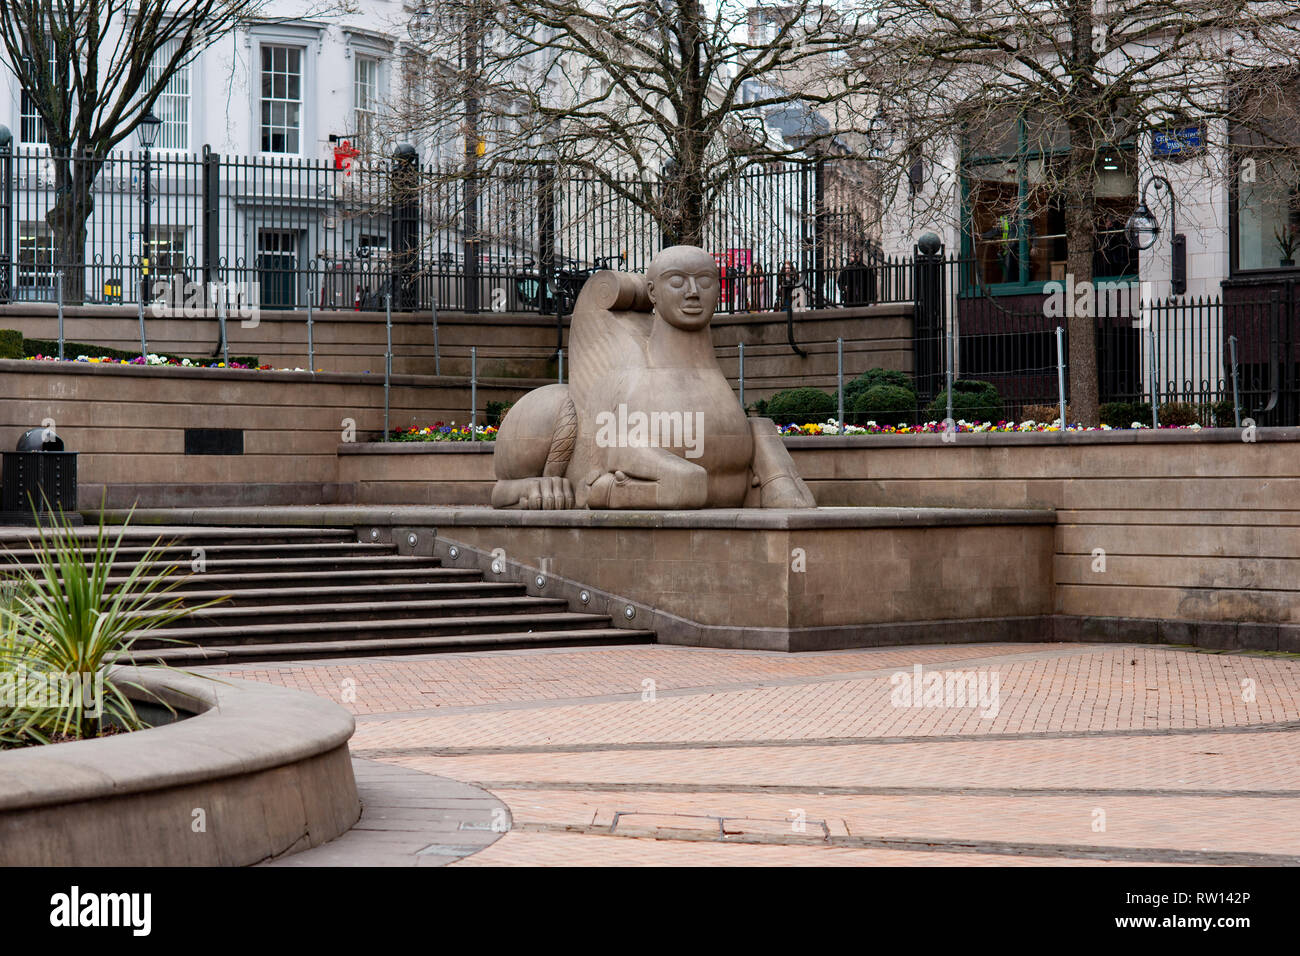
495 412
972 401
877 376
885 405
65 617
1178 413
800 406
1124 414
11 344
1046 414
1219 414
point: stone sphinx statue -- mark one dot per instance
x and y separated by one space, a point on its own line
647 419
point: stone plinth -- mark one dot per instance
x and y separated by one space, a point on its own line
778 580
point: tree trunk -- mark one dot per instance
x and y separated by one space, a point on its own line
73 178
1081 239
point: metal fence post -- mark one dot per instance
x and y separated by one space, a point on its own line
1060 372
388 354
221 325
741 349
311 341
561 366
546 277
437 359
1236 398
211 229
6 213
58 277
473 393
1155 385
839 373
948 375
144 345
405 183
928 319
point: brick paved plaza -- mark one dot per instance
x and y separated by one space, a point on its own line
661 755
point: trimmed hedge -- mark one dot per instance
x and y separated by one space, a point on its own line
11 344
798 405
972 401
877 376
885 405
1124 414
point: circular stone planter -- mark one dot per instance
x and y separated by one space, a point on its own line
257 773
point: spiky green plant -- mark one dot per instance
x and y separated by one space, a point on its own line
69 618
20 724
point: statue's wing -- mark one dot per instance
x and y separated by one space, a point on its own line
609 331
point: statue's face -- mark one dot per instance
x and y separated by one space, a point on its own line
683 286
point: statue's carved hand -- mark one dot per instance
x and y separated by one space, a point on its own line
541 494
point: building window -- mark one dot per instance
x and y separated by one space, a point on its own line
1013 211
367 99
1266 159
173 105
31 127
35 256
167 250
281 99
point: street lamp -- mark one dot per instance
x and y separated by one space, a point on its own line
148 129
1143 230
880 134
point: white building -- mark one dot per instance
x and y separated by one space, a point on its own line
279 100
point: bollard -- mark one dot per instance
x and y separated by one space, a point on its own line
1060 371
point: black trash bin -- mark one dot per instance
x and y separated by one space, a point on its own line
39 473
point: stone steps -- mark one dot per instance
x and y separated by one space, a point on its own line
288 594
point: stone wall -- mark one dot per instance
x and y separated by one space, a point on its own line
1172 525
1191 527
509 345
129 423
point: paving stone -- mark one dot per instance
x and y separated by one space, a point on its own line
1097 754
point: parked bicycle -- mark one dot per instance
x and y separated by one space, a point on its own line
569 276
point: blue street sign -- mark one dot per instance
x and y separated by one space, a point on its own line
1179 142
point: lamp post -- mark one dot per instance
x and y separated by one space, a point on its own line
1143 230
148 129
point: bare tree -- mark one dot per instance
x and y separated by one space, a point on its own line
1085 81
665 102
92 69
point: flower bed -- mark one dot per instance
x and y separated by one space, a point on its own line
832 427
444 431
152 359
